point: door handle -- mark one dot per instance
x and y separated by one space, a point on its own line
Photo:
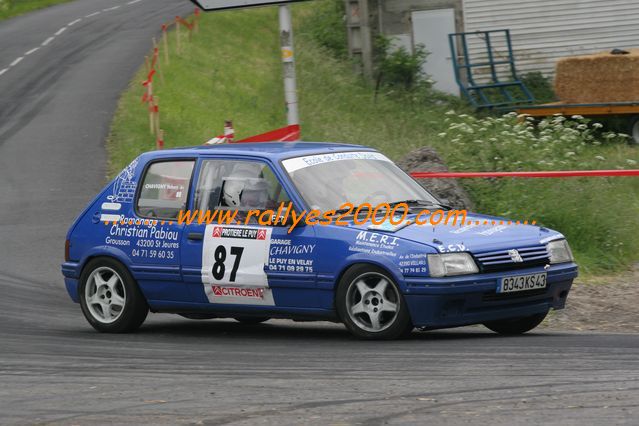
195 236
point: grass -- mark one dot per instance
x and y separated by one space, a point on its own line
12 8
231 70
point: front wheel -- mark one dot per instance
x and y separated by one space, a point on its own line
370 304
110 298
511 327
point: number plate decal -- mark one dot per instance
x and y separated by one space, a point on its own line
233 259
522 283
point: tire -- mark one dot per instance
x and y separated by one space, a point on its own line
370 304
110 298
251 320
515 326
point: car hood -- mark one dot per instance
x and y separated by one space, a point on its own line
471 237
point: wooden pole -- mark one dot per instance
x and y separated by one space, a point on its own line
159 142
165 42
149 93
156 114
156 59
177 35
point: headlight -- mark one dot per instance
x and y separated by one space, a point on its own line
441 265
559 251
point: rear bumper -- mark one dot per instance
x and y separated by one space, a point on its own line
70 270
456 301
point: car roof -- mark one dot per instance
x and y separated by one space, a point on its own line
272 150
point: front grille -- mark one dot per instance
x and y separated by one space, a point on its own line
501 260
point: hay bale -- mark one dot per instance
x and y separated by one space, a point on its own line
600 77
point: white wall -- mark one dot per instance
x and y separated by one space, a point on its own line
544 30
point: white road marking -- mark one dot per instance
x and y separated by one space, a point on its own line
60 31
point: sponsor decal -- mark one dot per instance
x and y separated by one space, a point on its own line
111 206
451 248
375 243
293 164
247 292
413 263
492 230
233 261
464 228
284 256
124 186
242 233
109 217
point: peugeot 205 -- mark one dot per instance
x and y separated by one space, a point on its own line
128 254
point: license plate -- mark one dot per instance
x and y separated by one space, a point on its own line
522 283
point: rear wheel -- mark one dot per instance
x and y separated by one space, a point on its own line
371 305
511 327
110 298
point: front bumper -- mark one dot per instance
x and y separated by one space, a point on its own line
472 299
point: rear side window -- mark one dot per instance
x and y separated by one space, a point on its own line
165 189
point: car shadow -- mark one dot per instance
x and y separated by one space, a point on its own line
289 330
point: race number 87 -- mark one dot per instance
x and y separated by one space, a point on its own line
219 269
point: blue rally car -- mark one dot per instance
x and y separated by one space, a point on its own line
127 254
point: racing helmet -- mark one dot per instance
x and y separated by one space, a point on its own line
243 187
232 192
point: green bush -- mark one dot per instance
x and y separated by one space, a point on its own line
327 26
540 86
396 67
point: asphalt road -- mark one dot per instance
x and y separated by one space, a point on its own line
56 104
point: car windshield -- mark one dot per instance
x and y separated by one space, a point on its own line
327 181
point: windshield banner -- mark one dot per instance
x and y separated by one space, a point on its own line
293 164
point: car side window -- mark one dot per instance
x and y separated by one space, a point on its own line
165 189
238 185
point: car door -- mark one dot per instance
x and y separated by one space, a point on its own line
232 260
154 232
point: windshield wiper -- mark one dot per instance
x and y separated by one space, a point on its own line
421 203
